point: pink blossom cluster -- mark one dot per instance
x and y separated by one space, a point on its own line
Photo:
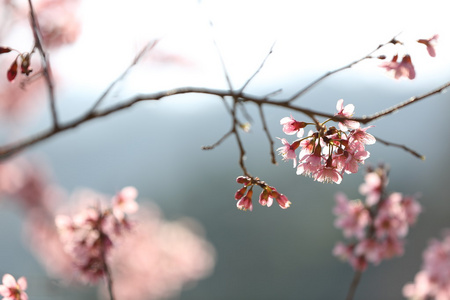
157 258
88 236
12 290
330 152
433 281
266 198
376 227
405 67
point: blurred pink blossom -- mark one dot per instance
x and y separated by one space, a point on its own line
12 290
433 280
405 68
431 44
157 258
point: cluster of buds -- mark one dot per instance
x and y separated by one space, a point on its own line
88 236
329 152
22 58
405 67
12 290
433 281
376 227
266 198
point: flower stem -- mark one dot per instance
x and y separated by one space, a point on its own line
354 285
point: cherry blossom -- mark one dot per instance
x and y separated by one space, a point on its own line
328 153
377 228
431 44
405 68
433 280
268 195
292 126
12 290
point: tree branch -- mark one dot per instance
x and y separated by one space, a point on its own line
45 64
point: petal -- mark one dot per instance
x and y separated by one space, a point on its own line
22 282
9 281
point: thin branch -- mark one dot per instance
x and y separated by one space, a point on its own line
45 64
269 137
354 285
224 137
138 57
407 149
328 74
259 69
10 149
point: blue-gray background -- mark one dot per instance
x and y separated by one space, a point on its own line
268 253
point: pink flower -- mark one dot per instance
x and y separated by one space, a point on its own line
360 135
328 174
352 216
12 290
346 112
431 44
245 203
281 199
288 150
403 69
265 199
125 202
292 126
309 165
433 281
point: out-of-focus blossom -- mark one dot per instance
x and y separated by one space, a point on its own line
12 290
377 228
157 258
405 68
125 202
433 280
58 21
88 236
431 44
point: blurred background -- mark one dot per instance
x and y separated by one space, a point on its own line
268 253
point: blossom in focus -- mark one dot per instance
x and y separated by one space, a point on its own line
377 228
433 280
328 153
12 290
268 195
405 68
346 112
292 126
431 44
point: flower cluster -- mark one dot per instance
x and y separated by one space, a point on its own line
376 227
88 236
266 198
12 290
433 281
327 153
405 67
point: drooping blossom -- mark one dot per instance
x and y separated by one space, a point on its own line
330 152
433 280
431 44
268 195
347 112
12 290
376 229
292 126
288 150
405 68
